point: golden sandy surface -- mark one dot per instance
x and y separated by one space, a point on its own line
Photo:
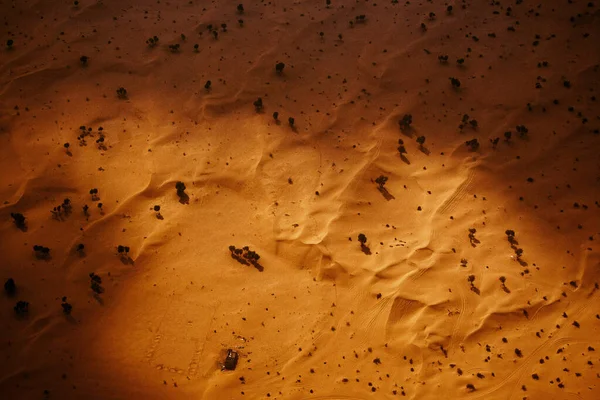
423 316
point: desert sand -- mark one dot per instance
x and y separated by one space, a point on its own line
408 246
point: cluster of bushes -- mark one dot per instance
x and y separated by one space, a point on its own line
83 133
41 252
472 144
66 307
405 122
362 238
123 250
153 41
510 235
96 283
245 256
19 220
62 210
471 280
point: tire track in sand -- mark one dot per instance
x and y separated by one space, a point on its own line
525 364
459 193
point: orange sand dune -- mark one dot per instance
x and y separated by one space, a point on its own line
439 300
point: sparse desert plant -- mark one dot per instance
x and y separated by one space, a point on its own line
507 135
183 37
100 205
443 59
455 82
519 253
464 121
67 206
183 197
153 41
9 44
84 60
66 307
156 209
471 280
362 18
122 93
215 34
207 85
10 287
423 27
460 61
80 248
240 8
174 47
246 256
472 232
100 143
279 67
449 10
19 220
96 283
86 210
510 235
405 122
64 209
94 193
123 250
258 105
543 64
502 280
327 3
56 213
421 141
291 121
381 181
522 130
276 116
472 144
196 47
241 22
401 148
224 27
362 238
495 142
41 252
22 307
519 353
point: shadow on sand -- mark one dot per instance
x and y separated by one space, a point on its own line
388 196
